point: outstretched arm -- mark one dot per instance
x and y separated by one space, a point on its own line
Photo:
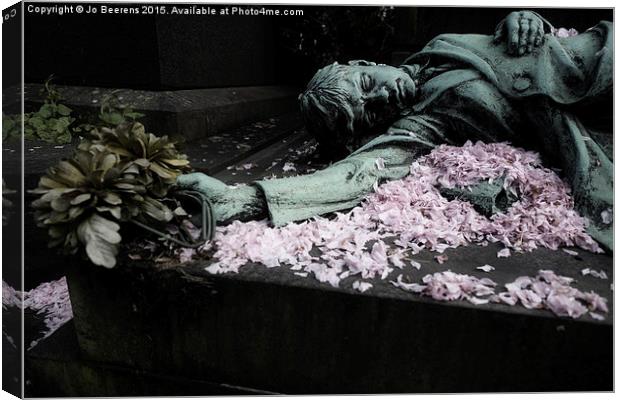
522 31
338 187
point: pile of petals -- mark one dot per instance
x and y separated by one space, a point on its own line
553 292
413 215
564 32
544 291
49 299
10 296
449 286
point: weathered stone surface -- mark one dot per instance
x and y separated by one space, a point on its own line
55 368
191 114
214 153
272 330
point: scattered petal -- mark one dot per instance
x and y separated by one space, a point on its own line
597 274
486 268
361 286
416 265
607 216
503 253
442 258
289 166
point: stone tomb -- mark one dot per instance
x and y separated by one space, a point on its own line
271 330
180 330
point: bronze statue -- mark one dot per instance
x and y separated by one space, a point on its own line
521 85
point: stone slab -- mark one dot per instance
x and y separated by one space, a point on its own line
215 153
272 330
209 154
297 149
190 114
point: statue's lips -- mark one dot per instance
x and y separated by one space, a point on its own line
404 93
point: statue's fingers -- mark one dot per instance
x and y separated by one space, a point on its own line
524 34
540 36
189 181
512 34
531 42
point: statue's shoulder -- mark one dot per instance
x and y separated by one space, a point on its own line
458 40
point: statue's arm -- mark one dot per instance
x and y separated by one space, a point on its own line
338 187
522 31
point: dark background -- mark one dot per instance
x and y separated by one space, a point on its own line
180 52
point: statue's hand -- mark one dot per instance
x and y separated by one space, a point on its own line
212 188
522 30
229 202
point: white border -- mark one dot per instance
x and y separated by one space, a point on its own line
462 3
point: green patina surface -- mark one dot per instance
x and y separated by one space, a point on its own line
555 97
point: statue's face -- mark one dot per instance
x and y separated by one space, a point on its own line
379 93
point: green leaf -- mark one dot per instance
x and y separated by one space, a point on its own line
68 174
112 198
112 118
156 209
180 212
108 161
101 238
63 138
50 183
80 199
63 110
37 122
75 212
143 162
161 171
60 204
133 115
176 162
115 211
46 111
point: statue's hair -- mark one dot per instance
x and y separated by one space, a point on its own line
326 105
327 111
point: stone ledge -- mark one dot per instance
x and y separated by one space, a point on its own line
192 114
272 330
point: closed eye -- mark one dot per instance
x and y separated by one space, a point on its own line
366 82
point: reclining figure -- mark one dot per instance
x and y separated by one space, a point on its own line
522 85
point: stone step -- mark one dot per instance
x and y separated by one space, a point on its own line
272 330
191 114
297 150
214 154
208 154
